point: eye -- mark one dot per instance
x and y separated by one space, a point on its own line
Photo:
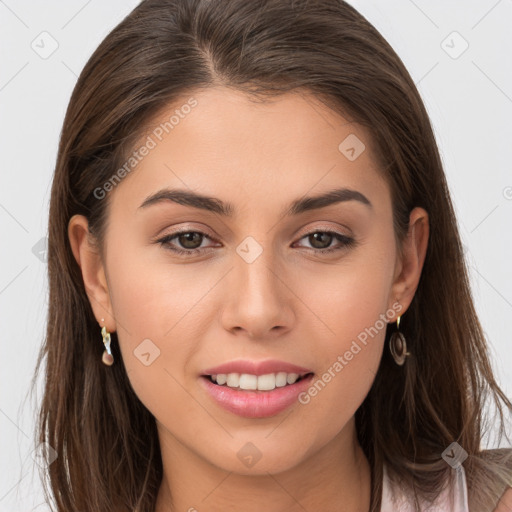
321 241
191 241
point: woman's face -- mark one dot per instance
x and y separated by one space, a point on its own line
249 285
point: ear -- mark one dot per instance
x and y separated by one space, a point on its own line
88 258
409 264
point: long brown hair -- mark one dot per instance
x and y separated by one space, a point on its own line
108 450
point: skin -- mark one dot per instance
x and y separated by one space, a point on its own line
289 304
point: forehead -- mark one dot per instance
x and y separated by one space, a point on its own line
225 143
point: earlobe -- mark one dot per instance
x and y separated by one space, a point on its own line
93 272
414 250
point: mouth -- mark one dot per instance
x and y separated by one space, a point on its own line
246 396
254 383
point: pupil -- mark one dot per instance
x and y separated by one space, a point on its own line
188 238
319 235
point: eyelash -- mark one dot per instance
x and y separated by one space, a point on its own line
346 242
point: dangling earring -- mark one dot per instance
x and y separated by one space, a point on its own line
398 345
107 358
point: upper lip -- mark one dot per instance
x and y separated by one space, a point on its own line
256 367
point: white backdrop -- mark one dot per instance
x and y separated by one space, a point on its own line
456 52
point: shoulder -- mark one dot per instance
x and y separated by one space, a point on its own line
505 503
493 478
398 497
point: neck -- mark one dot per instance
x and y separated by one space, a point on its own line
336 478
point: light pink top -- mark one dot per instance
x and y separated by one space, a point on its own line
453 499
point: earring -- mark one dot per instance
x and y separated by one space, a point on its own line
107 358
398 345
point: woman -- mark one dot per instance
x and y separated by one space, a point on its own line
249 217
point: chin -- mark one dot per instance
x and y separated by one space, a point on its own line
252 458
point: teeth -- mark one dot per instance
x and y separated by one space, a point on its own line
266 382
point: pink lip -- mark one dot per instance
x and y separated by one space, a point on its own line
255 404
256 367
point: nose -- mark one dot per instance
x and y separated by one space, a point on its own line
258 301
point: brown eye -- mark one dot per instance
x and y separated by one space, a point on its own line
190 239
321 241
187 242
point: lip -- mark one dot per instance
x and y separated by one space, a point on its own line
256 367
255 404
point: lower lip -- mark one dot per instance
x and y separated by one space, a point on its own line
255 403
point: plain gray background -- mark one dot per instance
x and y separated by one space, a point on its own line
467 92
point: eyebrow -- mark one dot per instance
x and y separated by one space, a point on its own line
215 205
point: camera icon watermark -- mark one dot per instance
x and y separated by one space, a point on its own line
454 45
40 249
352 147
249 249
249 454
147 352
45 45
43 455
455 455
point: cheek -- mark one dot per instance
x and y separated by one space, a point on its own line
352 304
350 298
348 360
151 298
162 312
